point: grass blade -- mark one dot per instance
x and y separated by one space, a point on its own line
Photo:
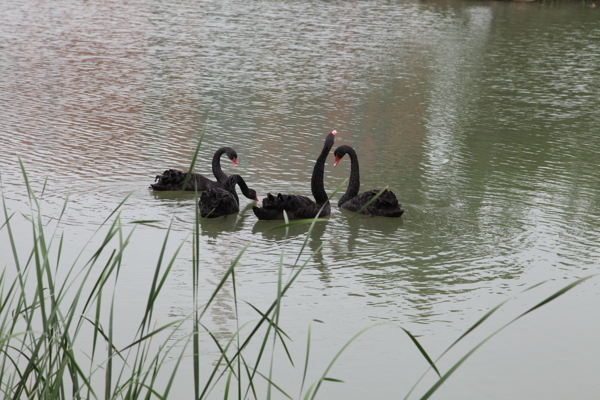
554 296
194 157
422 350
338 354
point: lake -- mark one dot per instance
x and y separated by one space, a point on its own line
482 117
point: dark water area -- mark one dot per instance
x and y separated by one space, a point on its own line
481 116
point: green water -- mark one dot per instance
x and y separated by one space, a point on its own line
481 116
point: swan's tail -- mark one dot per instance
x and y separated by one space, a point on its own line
171 179
296 207
389 205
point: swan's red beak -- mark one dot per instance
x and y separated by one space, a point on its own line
337 160
334 132
256 199
234 160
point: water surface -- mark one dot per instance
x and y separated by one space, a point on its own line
481 116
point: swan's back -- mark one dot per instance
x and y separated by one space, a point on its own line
386 205
217 202
173 179
295 206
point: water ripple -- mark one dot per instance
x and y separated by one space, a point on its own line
488 138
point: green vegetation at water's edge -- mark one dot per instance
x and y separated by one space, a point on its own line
57 337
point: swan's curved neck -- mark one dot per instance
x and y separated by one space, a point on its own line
354 182
216 166
230 183
316 183
245 189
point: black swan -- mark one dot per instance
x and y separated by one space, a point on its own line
216 202
386 205
300 207
172 179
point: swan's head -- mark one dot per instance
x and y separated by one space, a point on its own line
232 155
252 193
340 152
329 140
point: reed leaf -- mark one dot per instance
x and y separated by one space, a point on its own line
227 385
468 331
273 384
422 350
146 221
225 277
194 157
277 328
223 357
307 357
550 298
338 354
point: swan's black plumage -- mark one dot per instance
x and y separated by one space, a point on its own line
300 207
173 179
216 202
386 205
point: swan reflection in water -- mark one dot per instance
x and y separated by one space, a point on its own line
175 198
297 233
363 226
213 227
